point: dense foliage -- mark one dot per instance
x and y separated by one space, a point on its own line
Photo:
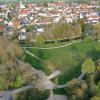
13 73
62 32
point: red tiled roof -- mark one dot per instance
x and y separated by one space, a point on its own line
24 11
94 17
16 24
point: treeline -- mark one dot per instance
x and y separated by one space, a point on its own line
62 32
66 32
59 32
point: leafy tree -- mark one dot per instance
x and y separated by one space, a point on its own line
29 38
77 90
88 29
39 39
30 28
97 31
88 66
77 30
94 98
97 75
82 23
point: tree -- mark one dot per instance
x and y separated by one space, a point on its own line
30 28
94 98
77 90
57 31
97 31
77 30
88 66
88 29
39 39
82 23
29 38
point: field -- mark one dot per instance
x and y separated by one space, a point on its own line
67 59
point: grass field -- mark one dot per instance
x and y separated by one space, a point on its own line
68 59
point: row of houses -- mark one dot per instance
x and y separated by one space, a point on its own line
22 15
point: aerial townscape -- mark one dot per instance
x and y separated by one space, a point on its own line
49 49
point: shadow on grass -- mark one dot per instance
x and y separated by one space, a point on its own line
94 54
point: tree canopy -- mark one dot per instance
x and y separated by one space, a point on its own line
13 72
88 66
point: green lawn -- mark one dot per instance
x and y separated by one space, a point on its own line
68 59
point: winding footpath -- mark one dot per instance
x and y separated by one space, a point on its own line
55 47
8 94
33 55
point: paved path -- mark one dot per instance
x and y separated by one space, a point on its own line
7 95
55 47
81 76
33 55
56 96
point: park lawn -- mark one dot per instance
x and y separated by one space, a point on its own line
67 59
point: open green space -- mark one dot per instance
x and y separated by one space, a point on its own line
67 59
